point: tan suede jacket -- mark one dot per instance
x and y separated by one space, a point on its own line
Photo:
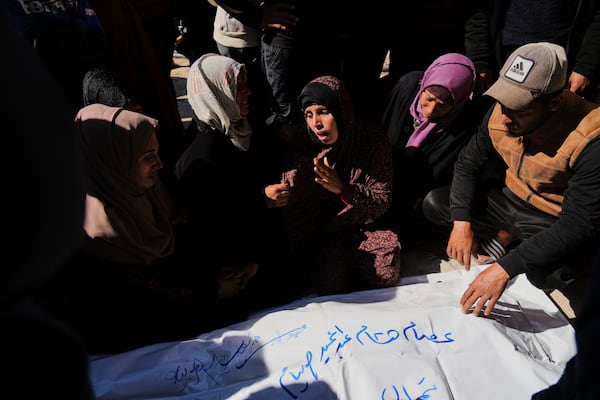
540 164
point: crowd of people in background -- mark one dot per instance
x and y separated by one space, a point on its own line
304 169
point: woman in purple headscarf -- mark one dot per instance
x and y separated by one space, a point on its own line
429 118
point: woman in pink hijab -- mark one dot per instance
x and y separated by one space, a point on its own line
134 281
429 118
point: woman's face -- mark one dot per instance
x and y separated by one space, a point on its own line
145 169
242 96
321 123
432 107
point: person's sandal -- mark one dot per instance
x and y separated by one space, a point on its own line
492 249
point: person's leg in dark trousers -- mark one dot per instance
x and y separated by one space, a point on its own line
500 209
277 64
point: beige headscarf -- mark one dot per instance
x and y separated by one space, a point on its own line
122 224
211 91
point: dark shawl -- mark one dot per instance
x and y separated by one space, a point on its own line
362 157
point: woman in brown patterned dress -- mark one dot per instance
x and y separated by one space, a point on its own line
338 190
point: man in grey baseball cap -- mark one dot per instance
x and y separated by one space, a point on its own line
541 214
531 71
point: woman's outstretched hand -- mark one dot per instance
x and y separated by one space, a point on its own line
327 176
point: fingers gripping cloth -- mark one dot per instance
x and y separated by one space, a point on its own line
493 249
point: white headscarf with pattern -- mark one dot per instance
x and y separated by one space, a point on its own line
211 91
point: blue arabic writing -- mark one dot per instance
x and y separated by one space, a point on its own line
337 339
207 372
396 395
185 375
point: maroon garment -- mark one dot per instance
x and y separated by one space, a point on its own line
340 243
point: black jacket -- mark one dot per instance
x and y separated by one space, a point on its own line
483 42
550 248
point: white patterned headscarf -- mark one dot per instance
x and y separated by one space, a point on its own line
211 91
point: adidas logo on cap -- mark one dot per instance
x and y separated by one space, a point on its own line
519 69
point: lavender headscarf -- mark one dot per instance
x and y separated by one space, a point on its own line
456 73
